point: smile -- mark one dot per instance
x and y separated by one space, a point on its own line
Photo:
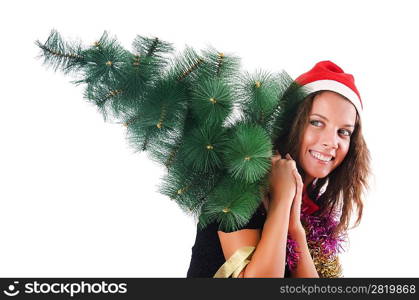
320 156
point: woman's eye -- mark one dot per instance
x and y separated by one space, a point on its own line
346 132
315 123
318 123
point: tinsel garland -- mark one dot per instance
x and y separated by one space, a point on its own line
324 246
292 255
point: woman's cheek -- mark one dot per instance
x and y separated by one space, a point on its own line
344 148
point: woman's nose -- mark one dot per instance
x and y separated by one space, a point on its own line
330 139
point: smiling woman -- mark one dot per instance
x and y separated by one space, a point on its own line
327 136
328 122
259 215
298 229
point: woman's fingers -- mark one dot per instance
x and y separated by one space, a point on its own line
297 177
276 157
298 181
288 156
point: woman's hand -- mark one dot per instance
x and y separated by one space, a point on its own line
295 226
282 181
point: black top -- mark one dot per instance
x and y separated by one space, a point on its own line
207 254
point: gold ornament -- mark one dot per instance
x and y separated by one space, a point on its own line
247 158
113 93
213 100
162 115
226 210
258 84
210 147
109 63
136 60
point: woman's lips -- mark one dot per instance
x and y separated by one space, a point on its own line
321 158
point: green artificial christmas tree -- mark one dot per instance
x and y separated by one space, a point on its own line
210 124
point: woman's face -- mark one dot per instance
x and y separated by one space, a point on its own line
327 136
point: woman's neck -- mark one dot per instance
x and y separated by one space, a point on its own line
307 180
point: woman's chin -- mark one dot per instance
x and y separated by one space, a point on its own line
317 173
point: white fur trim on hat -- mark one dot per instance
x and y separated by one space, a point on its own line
336 86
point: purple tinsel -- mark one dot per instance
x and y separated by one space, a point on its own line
292 254
319 232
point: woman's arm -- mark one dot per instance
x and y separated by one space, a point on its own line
268 259
305 265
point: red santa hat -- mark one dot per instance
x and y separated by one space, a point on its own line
326 75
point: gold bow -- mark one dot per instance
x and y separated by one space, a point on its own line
236 263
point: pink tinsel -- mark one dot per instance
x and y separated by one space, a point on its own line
292 254
319 231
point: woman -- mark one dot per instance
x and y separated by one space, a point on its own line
320 169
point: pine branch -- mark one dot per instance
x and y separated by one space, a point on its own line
211 101
185 65
202 149
220 61
151 55
258 94
231 204
151 47
181 111
220 65
61 55
146 141
107 62
190 69
171 156
161 114
248 153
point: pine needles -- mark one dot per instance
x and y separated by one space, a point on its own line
180 109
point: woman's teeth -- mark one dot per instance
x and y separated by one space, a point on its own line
319 156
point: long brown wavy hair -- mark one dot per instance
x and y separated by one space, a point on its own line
346 183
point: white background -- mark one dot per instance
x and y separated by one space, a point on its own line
75 200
